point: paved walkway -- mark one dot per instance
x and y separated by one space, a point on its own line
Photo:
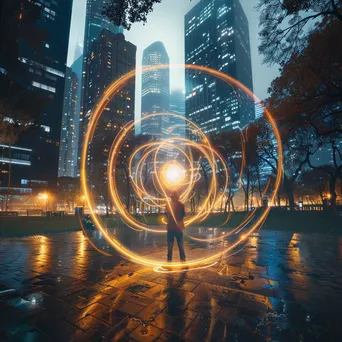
280 287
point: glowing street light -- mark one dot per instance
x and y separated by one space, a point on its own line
83 201
44 196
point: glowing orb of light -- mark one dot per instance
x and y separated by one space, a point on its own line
173 175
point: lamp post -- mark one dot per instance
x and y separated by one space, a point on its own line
83 205
45 197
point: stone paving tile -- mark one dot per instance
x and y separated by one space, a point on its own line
110 299
129 308
54 327
173 324
111 316
87 322
96 333
33 335
145 333
158 292
151 311
281 287
122 331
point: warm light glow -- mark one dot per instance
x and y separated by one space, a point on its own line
151 150
173 175
43 196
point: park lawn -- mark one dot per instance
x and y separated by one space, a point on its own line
36 225
299 222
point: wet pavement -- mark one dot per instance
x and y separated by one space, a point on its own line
280 287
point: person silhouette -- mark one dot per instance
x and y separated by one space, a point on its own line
175 212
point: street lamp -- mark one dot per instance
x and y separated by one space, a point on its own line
45 197
83 200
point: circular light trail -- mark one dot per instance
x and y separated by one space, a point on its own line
172 176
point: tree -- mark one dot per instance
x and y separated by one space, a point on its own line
306 101
313 183
127 12
228 144
334 170
124 180
239 151
309 90
286 24
298 146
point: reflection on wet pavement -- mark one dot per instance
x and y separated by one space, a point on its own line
280 287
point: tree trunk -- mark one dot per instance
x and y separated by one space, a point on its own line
9 175
128 202
288 186
231 202
332 191
247 193
206 185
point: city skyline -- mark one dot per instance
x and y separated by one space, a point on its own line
166 24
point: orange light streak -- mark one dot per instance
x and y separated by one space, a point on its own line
204 147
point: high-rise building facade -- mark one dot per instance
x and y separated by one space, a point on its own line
259 111
111 57
70 131
217 36
95 23
177 106
33 54
68 149
155 90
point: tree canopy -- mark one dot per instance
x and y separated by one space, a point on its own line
127 12
285 25
309 90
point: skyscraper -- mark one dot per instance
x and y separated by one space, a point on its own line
111 56
68 149
33 54
155 90
69 146
217 36
177 106
95 23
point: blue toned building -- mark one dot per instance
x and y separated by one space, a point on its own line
95 23
70 131
177 106
33 55
68 149
217 36
155 91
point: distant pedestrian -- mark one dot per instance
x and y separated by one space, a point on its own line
175 212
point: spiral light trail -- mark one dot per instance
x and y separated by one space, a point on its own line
175 166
